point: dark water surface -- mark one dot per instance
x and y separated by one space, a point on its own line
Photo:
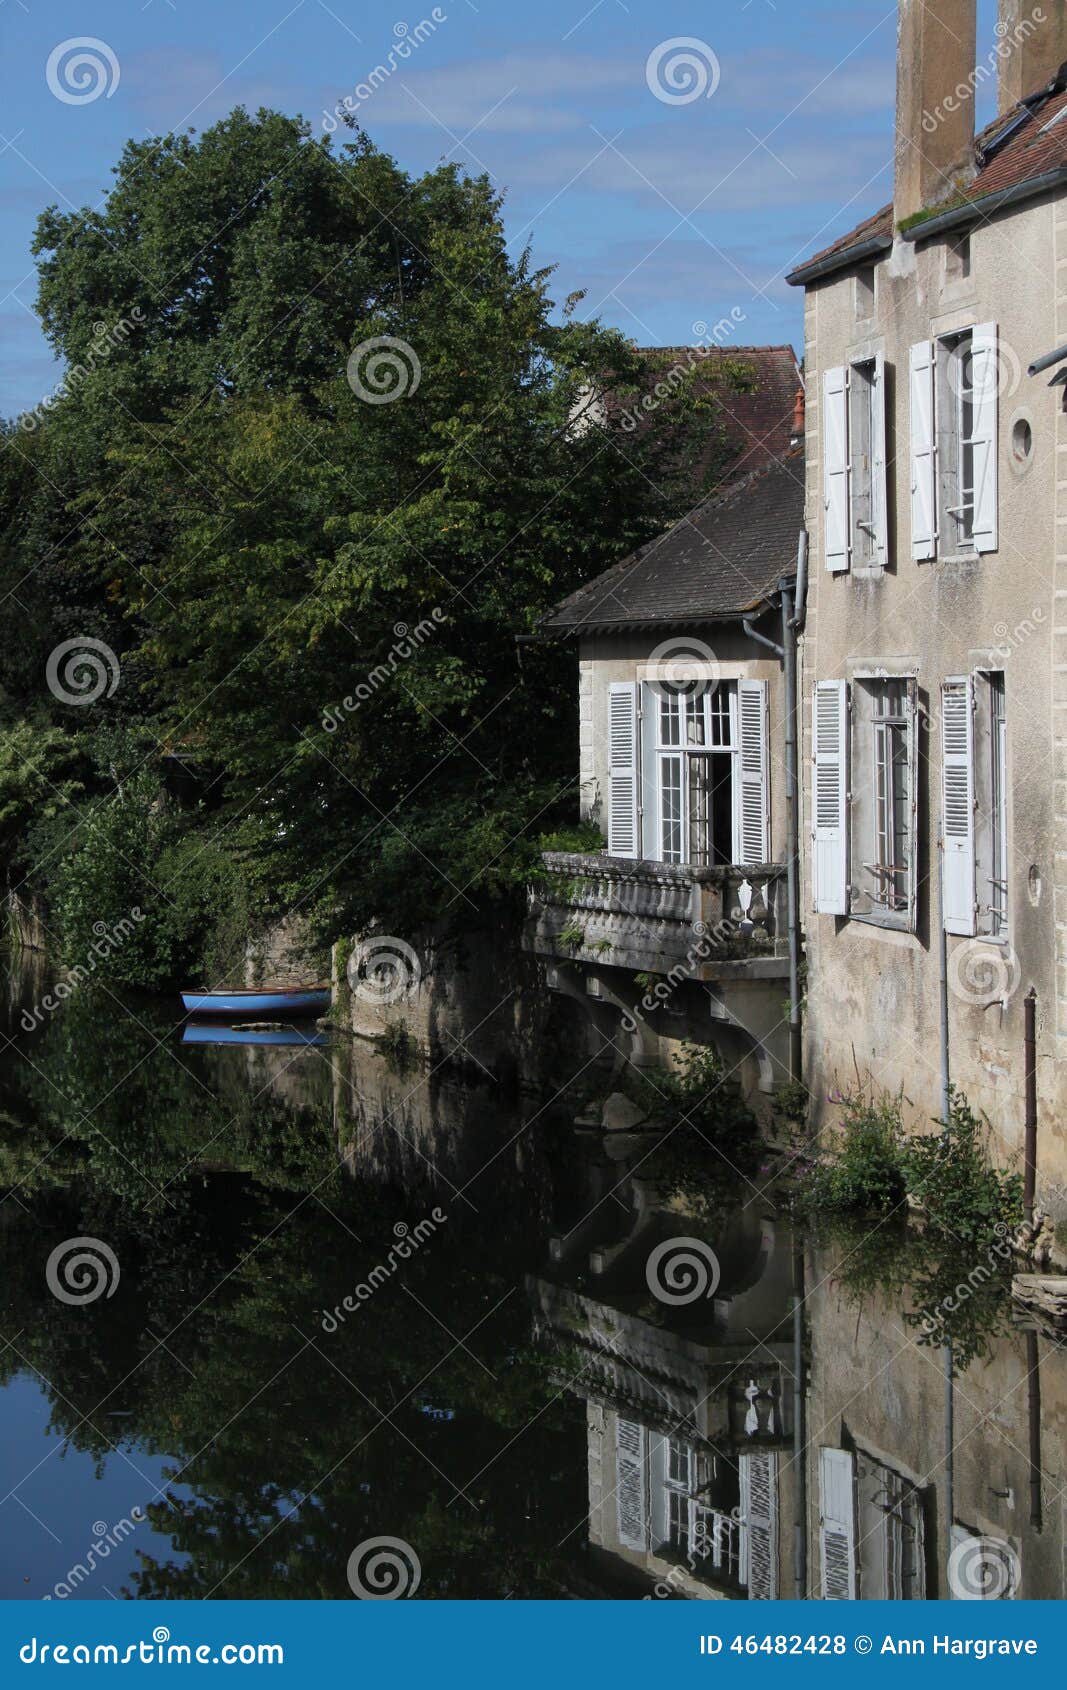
328 1302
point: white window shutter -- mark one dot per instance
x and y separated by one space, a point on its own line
957 804
829 798
622 769
837 1524
879 504
923 462
837 525
753 809
630 1485
984 377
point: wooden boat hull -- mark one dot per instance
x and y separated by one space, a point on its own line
260 1006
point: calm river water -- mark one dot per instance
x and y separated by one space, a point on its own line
263 1306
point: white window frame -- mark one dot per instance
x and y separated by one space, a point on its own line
954 444
873 881
673 753
856 530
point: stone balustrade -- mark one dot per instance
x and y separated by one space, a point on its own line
657 917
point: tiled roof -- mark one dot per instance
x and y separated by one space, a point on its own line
1035 149
757 423
722 561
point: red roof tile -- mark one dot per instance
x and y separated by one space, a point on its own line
1037 148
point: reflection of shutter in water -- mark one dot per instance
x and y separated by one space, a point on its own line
630 1484
837 1524
759 1507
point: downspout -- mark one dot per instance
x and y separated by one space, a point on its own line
789 658
787 655
800 1526
1030 1122
942 982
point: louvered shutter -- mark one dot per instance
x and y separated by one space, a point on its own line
879 504
829 798
836 530
630 1484
923 461
957 804
759 1511
984 375
753 809
837 1525
622 769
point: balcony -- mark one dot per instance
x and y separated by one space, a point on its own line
711 923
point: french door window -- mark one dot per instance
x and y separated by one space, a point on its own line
696 743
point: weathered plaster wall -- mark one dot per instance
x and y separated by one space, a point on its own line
873 994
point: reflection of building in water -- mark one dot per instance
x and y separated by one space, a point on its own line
689 1404
916 1492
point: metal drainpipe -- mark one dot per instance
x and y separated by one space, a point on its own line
1030 1139
800 1529
789 659
942 963
950 1447
1033 1374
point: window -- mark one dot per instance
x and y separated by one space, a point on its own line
854 470
953 406
864 799
974 804
883 733
957 443
863 436
706 779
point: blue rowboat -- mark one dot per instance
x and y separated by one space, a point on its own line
200 1033
279 1005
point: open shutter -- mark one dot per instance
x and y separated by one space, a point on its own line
759 1511
830 797
957 804
622 769
753 819
630 1484
923 476
835 468
879 504
837 1525
984 435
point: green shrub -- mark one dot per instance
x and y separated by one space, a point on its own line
865 1169
951 1175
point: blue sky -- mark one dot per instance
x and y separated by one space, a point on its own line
668 214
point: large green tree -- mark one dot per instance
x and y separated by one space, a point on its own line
328 453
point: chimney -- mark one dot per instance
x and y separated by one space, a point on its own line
1031 47
798 417
936 47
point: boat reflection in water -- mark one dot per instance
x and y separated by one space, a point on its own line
209 1033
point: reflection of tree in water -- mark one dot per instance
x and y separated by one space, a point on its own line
212 1354
949 1291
